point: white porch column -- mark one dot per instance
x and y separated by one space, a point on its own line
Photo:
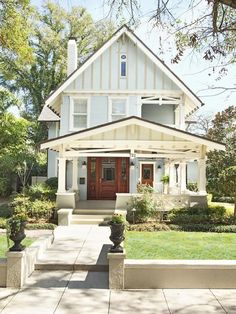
61 174
182 176
172 175
75 174
202 176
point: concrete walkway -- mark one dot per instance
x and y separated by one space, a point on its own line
85 292
65 289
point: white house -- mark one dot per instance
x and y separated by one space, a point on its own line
120 119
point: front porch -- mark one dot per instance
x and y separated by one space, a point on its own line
115 157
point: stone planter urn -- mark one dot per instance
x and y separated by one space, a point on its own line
117 226
117 237
17 235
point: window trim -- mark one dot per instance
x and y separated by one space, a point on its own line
72 98
126 68
110 99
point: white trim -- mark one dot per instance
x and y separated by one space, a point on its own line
153 170
110 98
163 68
140 45
134 121
153 92
71 112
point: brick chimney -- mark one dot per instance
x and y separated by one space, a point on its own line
72 58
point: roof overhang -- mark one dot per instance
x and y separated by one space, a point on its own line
132 135
194 101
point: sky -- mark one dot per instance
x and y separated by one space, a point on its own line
193 70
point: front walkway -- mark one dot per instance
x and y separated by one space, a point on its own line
86 292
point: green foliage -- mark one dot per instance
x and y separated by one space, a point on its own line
192 186
118 219
150 227
41 210
3 223
38 226
41 191
5 211
196 215
52 183
201 227
223 130
5 186
145 206
144 188
165 179
223 199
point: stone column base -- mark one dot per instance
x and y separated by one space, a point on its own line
16 272
116 270
65 200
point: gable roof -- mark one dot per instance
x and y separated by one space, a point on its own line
147 51
47 115
187 136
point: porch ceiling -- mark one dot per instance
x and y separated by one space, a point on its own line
131 136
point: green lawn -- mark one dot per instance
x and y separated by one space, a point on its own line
3 244
180 245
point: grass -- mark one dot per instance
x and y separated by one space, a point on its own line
3 244
180 245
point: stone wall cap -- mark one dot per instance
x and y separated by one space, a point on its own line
116 255
65 210
15 254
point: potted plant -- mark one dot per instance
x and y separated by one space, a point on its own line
165 180
117 225
16 230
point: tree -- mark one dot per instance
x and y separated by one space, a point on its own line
227 183
223 130
52 27
202 124
15 30
208 27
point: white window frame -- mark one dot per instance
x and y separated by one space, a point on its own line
72 128
126 68
110 99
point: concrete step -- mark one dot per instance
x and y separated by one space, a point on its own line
94 211
90 221
71 267
107 216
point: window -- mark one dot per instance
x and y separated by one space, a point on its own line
118 108
79 113
123 65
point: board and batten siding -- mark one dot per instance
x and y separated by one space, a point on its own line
104 72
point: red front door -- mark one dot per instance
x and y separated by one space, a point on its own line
147 174
107 176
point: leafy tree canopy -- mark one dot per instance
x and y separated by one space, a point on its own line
223 130
208 27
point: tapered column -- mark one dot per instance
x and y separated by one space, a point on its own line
61 174
182 176
172 175
202 176
75 174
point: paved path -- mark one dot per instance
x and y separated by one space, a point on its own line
86 292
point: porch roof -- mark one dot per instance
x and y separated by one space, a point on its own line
132 135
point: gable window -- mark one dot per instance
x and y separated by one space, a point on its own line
79 113
123 65
118 108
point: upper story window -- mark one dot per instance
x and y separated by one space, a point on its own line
118 108
123 65
79 113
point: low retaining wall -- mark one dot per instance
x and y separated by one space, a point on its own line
18 266
172 274
3 272
147 274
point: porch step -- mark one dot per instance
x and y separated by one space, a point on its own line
106 212
89 219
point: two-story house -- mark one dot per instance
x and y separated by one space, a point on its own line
120 119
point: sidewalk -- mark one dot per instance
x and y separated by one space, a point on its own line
84 291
